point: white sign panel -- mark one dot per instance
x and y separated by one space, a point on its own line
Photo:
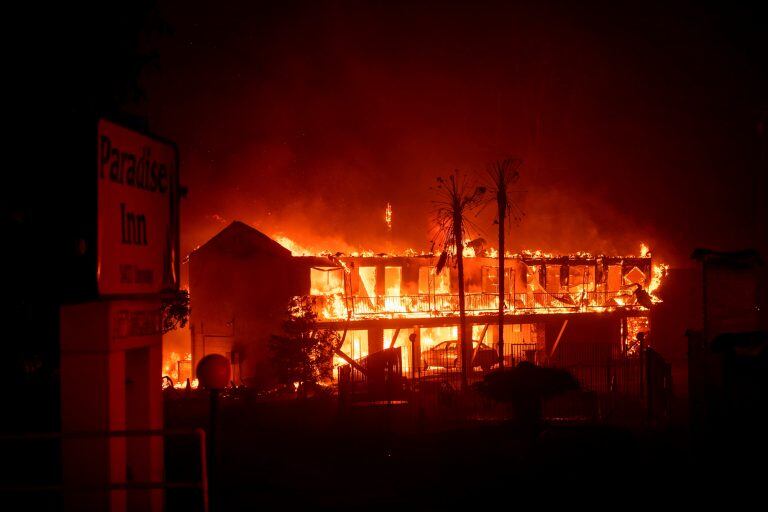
137 234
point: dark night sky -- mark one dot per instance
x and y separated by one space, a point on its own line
635 122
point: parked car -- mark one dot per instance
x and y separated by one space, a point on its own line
446 355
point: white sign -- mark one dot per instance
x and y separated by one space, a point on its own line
137 212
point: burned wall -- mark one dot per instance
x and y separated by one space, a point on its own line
240 285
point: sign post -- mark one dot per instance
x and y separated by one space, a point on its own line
111 347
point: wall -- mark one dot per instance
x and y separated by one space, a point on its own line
240 286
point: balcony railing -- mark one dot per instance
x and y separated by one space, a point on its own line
333 307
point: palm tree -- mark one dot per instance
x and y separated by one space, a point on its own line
502 174
457 196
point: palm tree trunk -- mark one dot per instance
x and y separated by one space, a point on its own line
464 344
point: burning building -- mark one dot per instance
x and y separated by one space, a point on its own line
242 280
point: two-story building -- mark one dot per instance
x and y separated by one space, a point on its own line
241 282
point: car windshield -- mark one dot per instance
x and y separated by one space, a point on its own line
451 345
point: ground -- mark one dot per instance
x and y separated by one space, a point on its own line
297 455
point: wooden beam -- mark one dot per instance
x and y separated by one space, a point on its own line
338 352
343 337
351 361
559 336
485 330
394 338
474 352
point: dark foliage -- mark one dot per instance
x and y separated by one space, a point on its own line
524 388
175 307
526 381
303 353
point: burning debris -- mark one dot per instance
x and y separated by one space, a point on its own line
536 282
179 370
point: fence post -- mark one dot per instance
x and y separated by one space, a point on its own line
203 467
649 377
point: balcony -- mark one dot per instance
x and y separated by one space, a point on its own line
340 307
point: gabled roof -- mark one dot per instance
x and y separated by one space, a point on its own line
240 239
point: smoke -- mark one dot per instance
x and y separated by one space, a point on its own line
306 120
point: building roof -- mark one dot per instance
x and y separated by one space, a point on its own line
243 240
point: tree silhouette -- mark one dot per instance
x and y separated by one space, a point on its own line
525 387
175 309
303 353
457 197
502 174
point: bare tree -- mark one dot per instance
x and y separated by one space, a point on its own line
502 174
457 197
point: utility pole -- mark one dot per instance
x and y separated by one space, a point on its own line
501 198
503 173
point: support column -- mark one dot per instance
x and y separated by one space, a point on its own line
144 412
415 351
111 362
375 339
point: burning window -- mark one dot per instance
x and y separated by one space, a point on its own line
367 281
443 282
581 278
490 279
519 334
355 346
431 336
534 294
555 277
637 329
425 277
326 280
614 278
430 282
514 334
402 342
483 334
392 279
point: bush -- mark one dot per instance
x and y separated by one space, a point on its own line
303 353
525 387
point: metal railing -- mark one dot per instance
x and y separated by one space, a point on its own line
611 382
435 305
61 488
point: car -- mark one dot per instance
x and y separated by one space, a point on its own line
446 355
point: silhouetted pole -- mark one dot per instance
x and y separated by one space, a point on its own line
503 173
501 198
213 372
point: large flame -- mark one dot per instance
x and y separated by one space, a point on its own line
578 295
388 216
179 369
